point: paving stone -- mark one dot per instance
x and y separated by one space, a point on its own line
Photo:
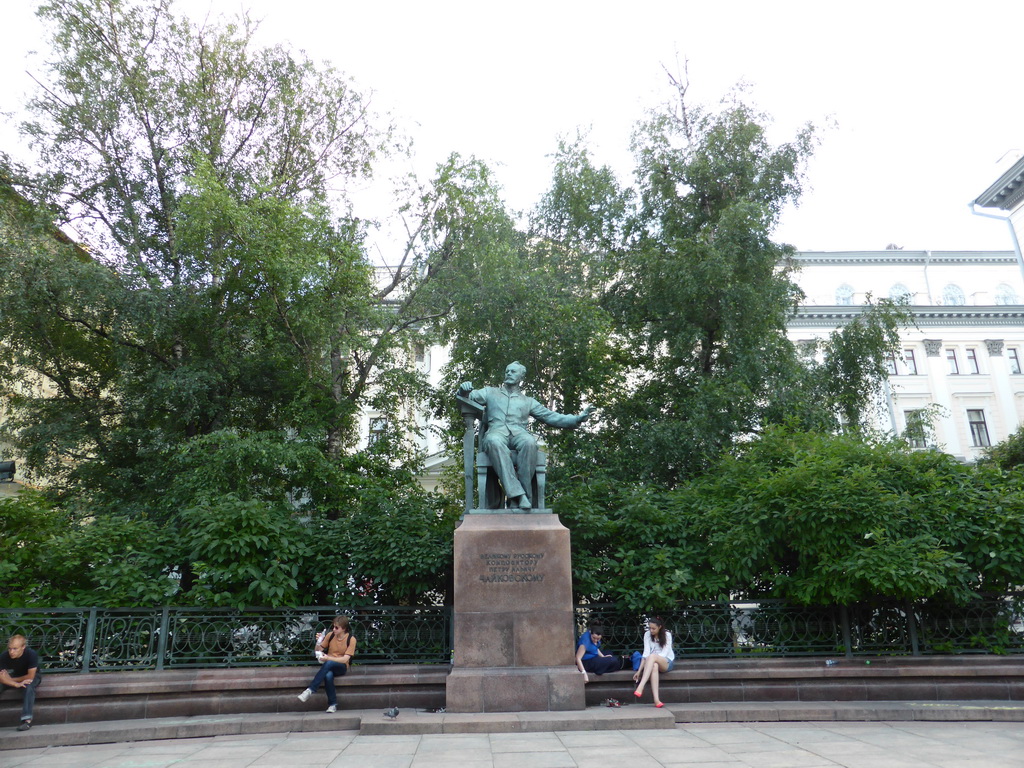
533 760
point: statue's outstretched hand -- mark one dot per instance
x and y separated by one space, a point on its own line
586 412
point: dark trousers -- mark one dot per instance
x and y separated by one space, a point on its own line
28 696
601 664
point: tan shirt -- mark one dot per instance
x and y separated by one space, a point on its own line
339 644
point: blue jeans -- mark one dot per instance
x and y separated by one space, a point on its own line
328 671
28 696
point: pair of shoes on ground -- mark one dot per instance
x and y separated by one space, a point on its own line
25 725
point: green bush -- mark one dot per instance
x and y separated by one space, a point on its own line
811 518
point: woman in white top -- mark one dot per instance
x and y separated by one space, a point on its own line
658 658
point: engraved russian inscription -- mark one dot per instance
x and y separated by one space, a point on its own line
510 567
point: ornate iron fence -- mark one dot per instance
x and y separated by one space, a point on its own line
92 639
774 628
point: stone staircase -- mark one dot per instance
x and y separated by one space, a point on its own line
129 706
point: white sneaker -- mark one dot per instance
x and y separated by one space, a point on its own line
304 696
332 709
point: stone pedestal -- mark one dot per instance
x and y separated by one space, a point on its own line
514 623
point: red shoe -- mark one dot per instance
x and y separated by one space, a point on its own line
660 704
637 694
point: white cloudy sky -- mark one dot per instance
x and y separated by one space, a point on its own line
926 96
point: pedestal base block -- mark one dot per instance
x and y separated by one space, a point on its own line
514 618
515 689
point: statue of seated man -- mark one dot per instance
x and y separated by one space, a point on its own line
507 414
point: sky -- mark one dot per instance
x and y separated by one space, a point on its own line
920 103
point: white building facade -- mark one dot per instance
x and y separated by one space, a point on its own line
957 384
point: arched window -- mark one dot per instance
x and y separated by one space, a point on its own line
844 295
953 296
899 291
1005 294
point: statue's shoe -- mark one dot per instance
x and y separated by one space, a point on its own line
524 503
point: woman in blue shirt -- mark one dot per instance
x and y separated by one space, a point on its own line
590 657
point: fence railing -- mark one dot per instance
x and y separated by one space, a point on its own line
773 628
95 639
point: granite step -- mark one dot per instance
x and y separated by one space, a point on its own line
409 721
146 729
868 711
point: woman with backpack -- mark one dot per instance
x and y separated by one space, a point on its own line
335 650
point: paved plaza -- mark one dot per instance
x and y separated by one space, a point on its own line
721 745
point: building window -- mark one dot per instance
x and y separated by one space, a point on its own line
808 348
972 361
898 292
1005 294
916 429
954 368
378 426
419 352
953 296
911 361
979 430
844 295
1014 358
890 364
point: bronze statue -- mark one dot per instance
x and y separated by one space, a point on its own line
504 431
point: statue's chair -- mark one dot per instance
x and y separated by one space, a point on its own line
489 493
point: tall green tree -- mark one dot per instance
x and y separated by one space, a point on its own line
195 167
703 294
695 295
533 295
211 343
228 285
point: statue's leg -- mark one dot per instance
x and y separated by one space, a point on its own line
526 461
497 449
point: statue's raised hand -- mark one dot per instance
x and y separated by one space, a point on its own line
465 388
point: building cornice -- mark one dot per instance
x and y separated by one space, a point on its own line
854 258
924 317
1008 190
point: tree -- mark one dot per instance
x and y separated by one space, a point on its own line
224 291
212 346
196 167
533 296
702 295
853 372
693 297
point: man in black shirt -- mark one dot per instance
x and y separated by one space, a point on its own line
19 671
